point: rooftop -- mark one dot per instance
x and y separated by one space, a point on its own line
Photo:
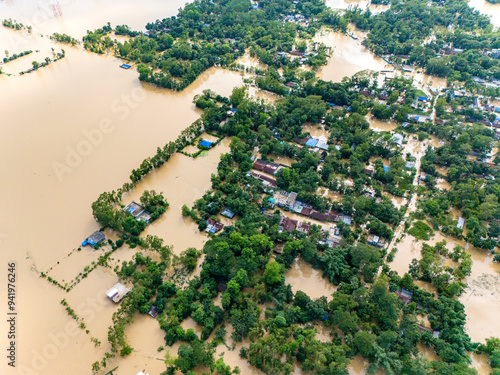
206 143
228 213
117 292
153 312
213 226
398 139
95 238
134 209
404 295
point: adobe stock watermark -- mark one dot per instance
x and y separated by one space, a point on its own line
58 342
45 11
76 154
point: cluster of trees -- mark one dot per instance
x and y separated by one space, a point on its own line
8 58
109 214
13 24
64 38
98 41
205 33
423 32
476 197
449 281
364 315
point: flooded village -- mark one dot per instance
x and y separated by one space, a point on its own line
77 126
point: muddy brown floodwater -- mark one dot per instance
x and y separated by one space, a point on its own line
379 125
348 58
492 10
183 180
78 16
305 278
77 128
69 132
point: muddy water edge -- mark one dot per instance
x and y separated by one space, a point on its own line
72 144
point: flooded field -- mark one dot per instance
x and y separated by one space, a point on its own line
349 57
66 153
305 278
379 125
316 131
75 17
182 180
482 297
250 62
492 10
62 153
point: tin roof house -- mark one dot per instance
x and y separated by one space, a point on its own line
94 239
117 292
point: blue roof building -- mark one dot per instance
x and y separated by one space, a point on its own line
312 142
228 213
206 143
386 168
125 66
94 239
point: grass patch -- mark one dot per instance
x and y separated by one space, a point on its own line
421 231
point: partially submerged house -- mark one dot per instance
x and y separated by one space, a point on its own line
375 241
94 239
138 211
266 166
410 164
397 139
320 216
404 295
213 226
153 312
117 292
304 227
322 145
461 223
334 237
227 213
346 219
206 143
267 181
312 142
